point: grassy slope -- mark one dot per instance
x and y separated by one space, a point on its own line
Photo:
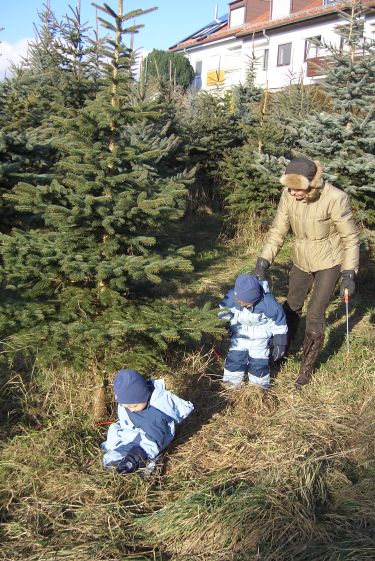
252 477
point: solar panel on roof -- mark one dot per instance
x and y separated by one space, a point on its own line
208 29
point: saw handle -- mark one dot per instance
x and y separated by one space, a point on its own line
346 295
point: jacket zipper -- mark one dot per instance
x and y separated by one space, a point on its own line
305 236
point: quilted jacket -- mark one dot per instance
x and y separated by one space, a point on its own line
324 230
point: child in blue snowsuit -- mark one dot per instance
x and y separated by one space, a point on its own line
258 330
148 415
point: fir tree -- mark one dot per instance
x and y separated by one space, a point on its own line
247 97
168 67
208 129
344 137
249 174
289 108
81 285
40 74
250 184
81 54
55 76
24 155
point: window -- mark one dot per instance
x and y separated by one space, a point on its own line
237 17
198 75
198 68
284 54
280 9
328 2
312 49
265 59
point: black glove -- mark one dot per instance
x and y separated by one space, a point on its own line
260 268
278 351
347 281
134 459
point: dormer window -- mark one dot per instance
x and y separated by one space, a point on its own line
280 8
237 14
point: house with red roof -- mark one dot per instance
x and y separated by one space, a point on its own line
279 34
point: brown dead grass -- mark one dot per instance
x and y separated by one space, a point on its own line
251 476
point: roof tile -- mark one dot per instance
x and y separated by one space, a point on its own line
257 25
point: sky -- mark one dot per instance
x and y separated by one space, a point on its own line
171 22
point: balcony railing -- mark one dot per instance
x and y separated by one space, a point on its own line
317 66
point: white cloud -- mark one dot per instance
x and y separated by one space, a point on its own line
11 52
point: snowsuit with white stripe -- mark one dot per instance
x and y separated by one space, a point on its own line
151 429
254 331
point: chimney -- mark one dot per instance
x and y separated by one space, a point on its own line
216 12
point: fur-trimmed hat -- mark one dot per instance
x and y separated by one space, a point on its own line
303 174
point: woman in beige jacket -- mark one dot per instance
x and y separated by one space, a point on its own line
326 245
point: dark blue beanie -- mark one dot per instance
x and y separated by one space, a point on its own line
247 288
130 387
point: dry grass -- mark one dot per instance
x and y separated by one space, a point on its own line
251 476
273 471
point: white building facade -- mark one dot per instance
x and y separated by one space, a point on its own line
284 47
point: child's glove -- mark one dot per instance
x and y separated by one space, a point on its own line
278 352
136 458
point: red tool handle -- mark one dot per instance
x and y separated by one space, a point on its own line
216 353
346 295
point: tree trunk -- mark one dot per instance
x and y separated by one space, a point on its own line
98 397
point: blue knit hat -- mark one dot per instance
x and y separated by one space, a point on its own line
247 288
130 387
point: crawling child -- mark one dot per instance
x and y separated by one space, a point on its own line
147 419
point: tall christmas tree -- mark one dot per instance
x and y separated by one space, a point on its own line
344 137
81 286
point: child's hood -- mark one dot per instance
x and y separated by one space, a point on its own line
229 300
169 402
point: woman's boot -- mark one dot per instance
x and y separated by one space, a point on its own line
312 346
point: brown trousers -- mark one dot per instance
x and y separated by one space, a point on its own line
322 284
